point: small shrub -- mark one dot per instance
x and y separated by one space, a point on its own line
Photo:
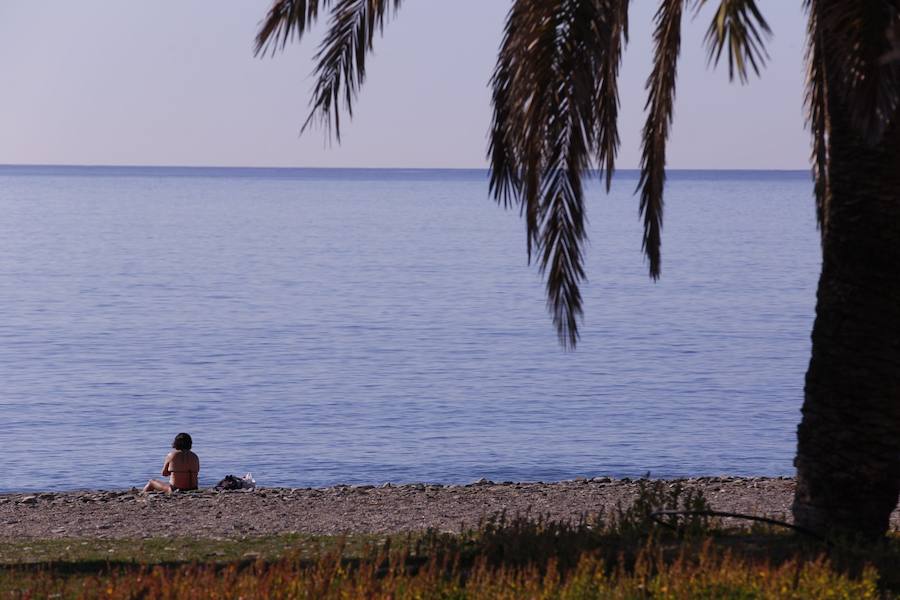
638 519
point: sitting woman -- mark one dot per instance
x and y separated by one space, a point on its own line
181 466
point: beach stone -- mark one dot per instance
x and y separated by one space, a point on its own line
601 480
483 481
28 500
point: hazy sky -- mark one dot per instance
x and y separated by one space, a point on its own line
174 82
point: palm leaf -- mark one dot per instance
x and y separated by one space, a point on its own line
661 97
549 90
856 38
287 20
608 92
818 115
341 58
505 175
739 26
893 38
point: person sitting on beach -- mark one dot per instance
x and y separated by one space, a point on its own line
181 466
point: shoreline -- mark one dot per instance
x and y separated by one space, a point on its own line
362 509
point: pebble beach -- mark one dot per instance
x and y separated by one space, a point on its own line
345 509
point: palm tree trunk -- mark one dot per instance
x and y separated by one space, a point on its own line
848 454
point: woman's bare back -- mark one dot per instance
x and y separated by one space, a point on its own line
182 468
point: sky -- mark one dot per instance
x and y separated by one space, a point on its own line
175 82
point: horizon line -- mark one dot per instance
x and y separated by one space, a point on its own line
346 168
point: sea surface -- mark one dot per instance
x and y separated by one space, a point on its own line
316 327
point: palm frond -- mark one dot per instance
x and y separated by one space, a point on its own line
739 26
818 115
341 58
549 90
856 39
286 20
660 101
608 93
505 175
893 37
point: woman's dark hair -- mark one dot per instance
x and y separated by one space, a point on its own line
182 441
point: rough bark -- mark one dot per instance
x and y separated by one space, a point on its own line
848 455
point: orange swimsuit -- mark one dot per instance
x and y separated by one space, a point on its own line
192 479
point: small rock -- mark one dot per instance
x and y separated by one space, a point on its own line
601 480
28 500
484 481
58 530
387 484
365 487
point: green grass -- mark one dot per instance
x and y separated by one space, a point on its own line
151 551
511 562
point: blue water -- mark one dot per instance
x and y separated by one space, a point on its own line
326 326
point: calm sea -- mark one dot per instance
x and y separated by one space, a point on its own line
360 326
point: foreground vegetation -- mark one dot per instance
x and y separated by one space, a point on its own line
627 555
